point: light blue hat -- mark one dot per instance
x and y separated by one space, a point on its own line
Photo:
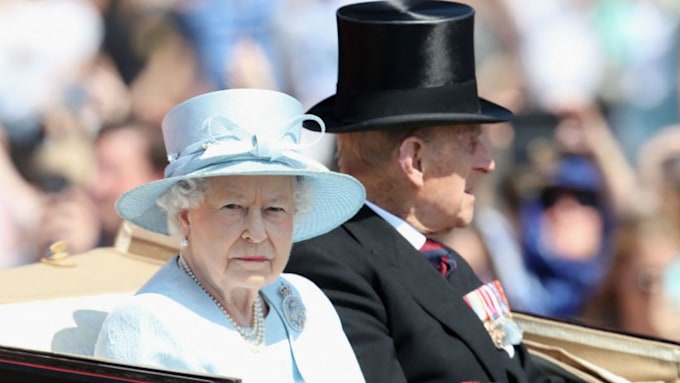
244 132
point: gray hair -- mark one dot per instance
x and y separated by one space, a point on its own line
190 193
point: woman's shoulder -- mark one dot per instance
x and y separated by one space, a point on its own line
299 282
296 285
166 278
165 292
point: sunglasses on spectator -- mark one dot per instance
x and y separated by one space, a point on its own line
551 195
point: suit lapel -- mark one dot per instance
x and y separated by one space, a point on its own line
441 299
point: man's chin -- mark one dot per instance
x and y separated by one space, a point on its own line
465 217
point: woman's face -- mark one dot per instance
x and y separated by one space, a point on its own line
241 235
647 303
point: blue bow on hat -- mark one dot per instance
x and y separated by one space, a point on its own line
227 139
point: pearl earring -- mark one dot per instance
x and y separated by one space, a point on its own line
184 243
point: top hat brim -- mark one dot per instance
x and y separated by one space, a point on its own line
489 112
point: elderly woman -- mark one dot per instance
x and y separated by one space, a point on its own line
238 193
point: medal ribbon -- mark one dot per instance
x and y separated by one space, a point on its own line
491 305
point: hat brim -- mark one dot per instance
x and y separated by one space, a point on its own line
489 113
335 197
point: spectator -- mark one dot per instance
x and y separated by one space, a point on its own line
641 293
306 29
127 154
232 42
566 238
659 171
639 40
20 208
44 46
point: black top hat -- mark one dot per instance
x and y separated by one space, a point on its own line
405 64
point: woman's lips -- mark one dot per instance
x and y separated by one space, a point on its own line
253 259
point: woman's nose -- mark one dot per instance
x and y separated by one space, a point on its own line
254 226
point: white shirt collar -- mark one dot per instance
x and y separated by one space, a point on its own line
413 236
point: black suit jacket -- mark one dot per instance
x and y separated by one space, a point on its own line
405 322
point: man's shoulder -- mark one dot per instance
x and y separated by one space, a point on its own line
329 250
325 249
333 257
354 232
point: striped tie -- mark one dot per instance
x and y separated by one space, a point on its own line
440 256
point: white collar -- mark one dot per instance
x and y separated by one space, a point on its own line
413 236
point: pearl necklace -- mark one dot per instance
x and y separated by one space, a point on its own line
255 335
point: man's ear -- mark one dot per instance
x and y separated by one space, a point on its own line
411 159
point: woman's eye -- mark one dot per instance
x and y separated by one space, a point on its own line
278 211
231 206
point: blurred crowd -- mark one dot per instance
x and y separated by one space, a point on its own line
580 220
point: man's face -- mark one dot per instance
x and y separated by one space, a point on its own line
453 158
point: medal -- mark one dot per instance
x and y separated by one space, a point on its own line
496 333
512 330
293 310
491 306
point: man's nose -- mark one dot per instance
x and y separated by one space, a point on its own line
483 161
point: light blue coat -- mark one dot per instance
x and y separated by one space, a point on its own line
172 323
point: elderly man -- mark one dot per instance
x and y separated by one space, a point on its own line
408 117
